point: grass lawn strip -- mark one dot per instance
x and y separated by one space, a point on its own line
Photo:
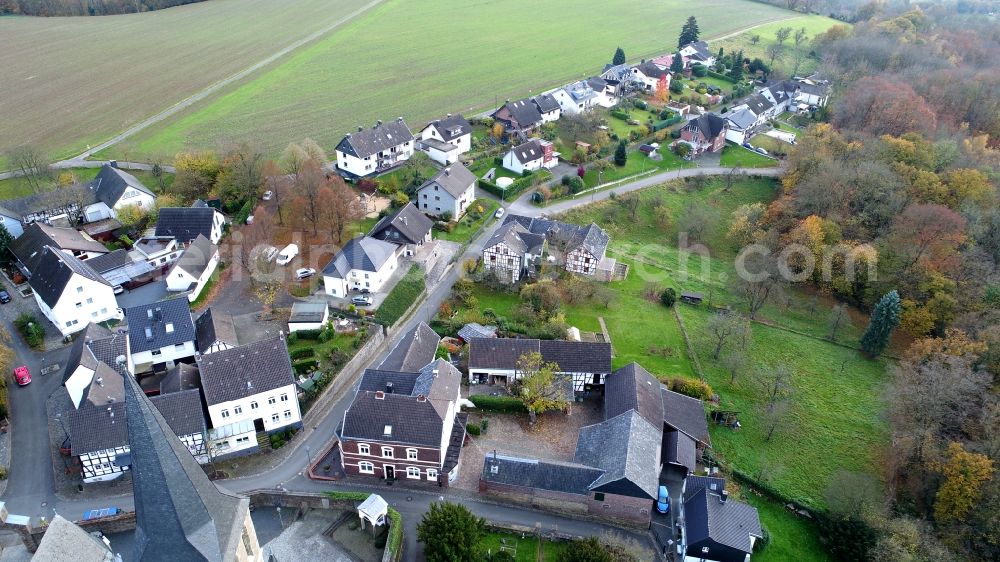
402 296
738 157
466 225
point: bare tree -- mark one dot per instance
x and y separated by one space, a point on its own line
293 158
800 37
782 35
757 281
30 163
314 151
274 183
724 326
776 382
736 363
308 194
773 52
838 318
631 204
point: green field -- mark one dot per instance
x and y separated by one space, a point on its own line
813 24
421 59
737 156
69 82
19 187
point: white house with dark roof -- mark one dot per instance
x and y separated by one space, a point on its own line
518 117
69 292
531 156
28 248
113 190
186 223
444 140
159 333
159 252
194 268
363 263
249 392
308 316
494 360
646 75
375 150
451 190
512 252
698 52
406 227
742 124
548 107
715 527
575 98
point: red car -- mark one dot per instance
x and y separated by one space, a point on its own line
22 375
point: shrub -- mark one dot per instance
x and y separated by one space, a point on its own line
575 184
245 211
472 429
504 404
302 353
668 297
676 86
691 387
699 70
675 134
31 330
307 334
620 114
641 104
303 367
404 294
484 425
292 338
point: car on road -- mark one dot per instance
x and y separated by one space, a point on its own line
287 254
365 291
268 195
361 300
4 296
305 272
22 376
748 145
499 213
663 500
761 151
118 289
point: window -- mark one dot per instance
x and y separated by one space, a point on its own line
288 414
79 305
284 397
224 413
243 439
275 418
365 467
413 472
387 452
253 405
366 276
238 410
598 496
423 196
104 310
93 315
90 301
157 353
364 449
79 289
437 198
411 454
271 400
178 346
432 474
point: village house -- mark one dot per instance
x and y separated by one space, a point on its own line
405 425
716 528
308 316
518 117
118 267
445 140
531 156
450 191
647 75
577 97
159 252
605 92
375 150
494 360
698 52
512 252
742 123
214 332
406 227
28 248
194 268
414 351
618 76
364 263
249 393
69 292
159 334
186 223
548 107
705 133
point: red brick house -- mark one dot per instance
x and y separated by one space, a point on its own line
705 133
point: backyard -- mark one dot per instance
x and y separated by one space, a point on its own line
734 156
467 225
523 549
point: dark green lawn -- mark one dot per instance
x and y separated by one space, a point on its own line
523 550
467 226
737 156
20 187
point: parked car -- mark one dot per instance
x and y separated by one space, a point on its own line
22 376
118 289
268 195
361 300
365 291
267 253
305 272
761 151
499 213
663 500
4 296
748 145
287 254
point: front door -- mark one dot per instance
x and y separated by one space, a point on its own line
390 472
258 424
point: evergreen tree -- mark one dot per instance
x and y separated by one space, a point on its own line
619 57
5 240
621 154
450 533
689 32
885 319
736 72
677 63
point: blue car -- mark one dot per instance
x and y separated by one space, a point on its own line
663 500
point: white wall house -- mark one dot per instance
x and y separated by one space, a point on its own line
157 251
308 316
113 190
575 98
548 106
375 150
698 52
452 191
494 360
70 293
445 140
194 268
363 263
511 250
159 333
531 156
743 124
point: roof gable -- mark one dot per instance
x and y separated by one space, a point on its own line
382 136
451 127
195 259
363 253
414 351
239 372
627 448
159 324
406 225
454 179
111 183
54 270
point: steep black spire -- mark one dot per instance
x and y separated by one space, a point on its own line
180 513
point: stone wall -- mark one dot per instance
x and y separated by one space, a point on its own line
626 510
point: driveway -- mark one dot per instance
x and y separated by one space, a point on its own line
155 291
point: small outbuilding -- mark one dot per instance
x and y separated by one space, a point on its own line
308 316
692 297
374 510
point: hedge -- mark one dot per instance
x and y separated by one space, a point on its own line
403 295
715 74
302 367
472 429
660 125
31 330
519 185
691 387
302 353
307 334
504 404
245 211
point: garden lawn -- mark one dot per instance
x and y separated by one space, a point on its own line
396 71
18 187
467 227
736 156
341 342
402 296
793 538
527 548
637 163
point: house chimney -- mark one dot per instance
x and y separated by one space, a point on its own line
100 381
723 496
388 388
400 119
113 163
421 398
447 171
379 395
449 116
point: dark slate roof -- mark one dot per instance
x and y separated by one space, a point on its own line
451 127
440 382
570 478
685 414
650 70
46 200
572 356
730 523
514 236
758 104
110 261
710 124
111 183
701 49
405 226
80 353
308 312
107 350
367 142
28 246
180 514
693 483
546 103
99 422
743 117
523 112
569 236
185 223
394 382
213 327
454 179
54 270
182 410
148 323
476 330
627 448
246 370
363 252
597 83
498 353
681 450
528 151
633 388
195 258
592 238
414 351
182 377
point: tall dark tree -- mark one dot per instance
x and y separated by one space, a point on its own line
885 319
689 32
621 154
619 56
450 533
677 63
5 239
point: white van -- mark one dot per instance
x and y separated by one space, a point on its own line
287 254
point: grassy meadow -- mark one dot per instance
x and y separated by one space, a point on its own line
420 59
813 24
20 187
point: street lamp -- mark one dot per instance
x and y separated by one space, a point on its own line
280 521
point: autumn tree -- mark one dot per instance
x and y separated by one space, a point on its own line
689 32
879 105
964 475
338 208
884 319
274 183
314 151
311 191
241 176
924 238
292 160
662 91
747 224
539 386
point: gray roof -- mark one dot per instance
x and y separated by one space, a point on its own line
685 414
571 356
454 179
633 388
569 236
53 270
246 370
566 477
681 450
451 127
693 483
580 91
110 261
597 83
111 182
148 324
615 72
308 312
182 377
364 253
393 382
56 198
650 70
517 238
195 259
476 330
99 422
406 225
627 448
701 49
28 246
180 514
730 523
79 353
185 223
64 541
213 326
414 351
758 104
182 410
742 117
710 124
528 151
367 142
524 113
546 103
